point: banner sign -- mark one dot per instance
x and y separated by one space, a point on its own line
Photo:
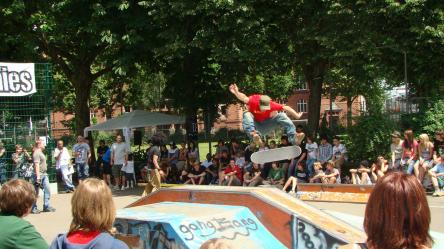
177 225
17 79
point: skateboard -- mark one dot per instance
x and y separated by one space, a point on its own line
278 154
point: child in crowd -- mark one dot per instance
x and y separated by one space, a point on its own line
312 152
364 171
196 175
339 153
437 175
438 146
379 168
93 213
301 176
425 153
325 150
252 177
129 172
318 173
240 159
332 174
396 152
275 176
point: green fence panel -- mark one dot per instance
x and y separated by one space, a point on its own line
25 119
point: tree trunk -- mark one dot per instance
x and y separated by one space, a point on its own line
349 112
82 87
191 125
82 83
314 74
109 112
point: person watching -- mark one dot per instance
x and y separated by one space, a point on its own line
16 199
397 215
93 213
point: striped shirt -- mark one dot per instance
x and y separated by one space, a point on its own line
325 152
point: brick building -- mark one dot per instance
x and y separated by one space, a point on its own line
231 117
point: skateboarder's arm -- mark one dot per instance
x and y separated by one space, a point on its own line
292 112
239 95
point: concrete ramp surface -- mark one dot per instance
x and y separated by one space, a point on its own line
189 225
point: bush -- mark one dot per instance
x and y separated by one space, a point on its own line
109 138
370 137
411 121
433 119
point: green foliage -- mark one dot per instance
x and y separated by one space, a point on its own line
370 137
68 140
106 136
191 50
434 118
412 121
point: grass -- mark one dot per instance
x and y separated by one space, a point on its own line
204 149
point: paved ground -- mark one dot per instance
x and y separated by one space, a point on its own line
436 207
50 224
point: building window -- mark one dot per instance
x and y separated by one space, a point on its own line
301 85
301 105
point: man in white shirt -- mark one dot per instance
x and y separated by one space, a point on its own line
61 155
339 153
119 158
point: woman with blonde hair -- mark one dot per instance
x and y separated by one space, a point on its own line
425 153
93 213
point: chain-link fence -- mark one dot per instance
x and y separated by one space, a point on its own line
25 119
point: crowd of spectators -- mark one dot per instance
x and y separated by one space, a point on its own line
231 163
322 162
419 157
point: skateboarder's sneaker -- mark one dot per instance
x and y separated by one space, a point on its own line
438 193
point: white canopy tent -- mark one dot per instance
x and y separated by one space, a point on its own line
135 119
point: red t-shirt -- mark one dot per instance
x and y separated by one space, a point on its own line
82 237
235 168
254 108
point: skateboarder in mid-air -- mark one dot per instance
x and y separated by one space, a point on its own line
264 115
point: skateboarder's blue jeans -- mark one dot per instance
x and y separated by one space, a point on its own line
263 128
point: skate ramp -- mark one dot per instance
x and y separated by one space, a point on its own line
189 225
349 193
291 221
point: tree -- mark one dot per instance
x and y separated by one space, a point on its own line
74 35
434 118
319 35
202 47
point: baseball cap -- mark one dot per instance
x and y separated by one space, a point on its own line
396 134
264 103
